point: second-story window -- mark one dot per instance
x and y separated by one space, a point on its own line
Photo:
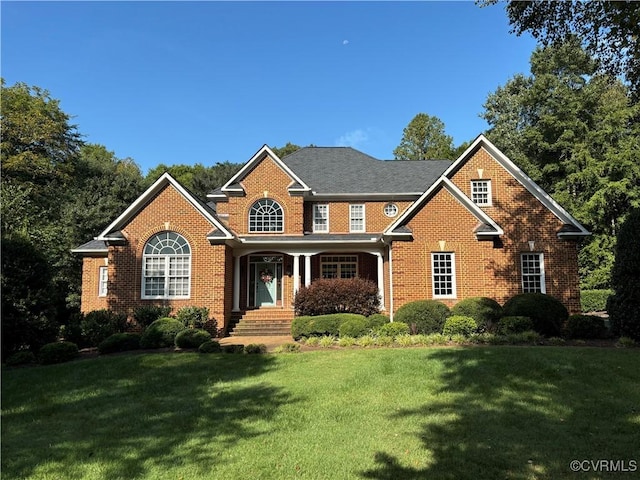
356 218
320 218
266 216
481 192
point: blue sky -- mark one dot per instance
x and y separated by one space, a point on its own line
207 82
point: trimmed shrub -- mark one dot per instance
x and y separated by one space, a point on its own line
210 346
594 300
98 325
192 338
377 320
254 348
23 357
514 324
354 327
459 325
161 333
58 352
233 348
338 295
146 315
393 329
484 310
320 326
547 313
624 304
193 317
585 327
423 316
120 342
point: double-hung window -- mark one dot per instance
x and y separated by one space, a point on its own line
321 217
339 266
532 272
443 274
103 279
481 192
166 267
356 218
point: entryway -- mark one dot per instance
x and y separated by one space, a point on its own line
265 281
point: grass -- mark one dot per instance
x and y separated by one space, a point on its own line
443 413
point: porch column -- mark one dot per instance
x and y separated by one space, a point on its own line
381 279
307 270
236 284
296 273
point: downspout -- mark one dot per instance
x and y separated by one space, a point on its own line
391 281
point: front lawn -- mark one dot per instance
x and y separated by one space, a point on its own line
441 413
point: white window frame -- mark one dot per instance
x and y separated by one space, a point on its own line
355 218
260 222
526 274
318 217
154 263
338 261
435 280
391 210
103 281
478 195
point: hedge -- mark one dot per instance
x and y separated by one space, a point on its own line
594 300
321 325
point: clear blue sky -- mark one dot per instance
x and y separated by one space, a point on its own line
168 82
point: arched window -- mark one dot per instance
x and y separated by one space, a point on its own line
166 266
266 216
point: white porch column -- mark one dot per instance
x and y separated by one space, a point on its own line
236 284
381 279
307 270
296 273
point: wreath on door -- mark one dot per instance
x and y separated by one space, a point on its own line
266 276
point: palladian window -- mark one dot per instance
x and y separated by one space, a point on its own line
266 216
166 267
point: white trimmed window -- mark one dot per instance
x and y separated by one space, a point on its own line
266 216
321 217
481 192
356 218
103 278
339 266
443 274
533 273
390 210
166 267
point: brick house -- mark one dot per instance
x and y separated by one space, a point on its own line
437 229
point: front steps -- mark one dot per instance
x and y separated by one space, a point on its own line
262 322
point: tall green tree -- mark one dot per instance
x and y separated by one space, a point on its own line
610 31
574 131
424 138
288 149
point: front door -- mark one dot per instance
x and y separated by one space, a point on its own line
266 284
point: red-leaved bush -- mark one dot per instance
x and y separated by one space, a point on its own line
338 295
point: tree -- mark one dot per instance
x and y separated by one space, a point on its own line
624 305
610 31
288 149
574 132
424 139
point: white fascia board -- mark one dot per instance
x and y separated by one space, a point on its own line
257 157
522 178
247 241
157 186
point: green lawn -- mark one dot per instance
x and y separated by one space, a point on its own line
415 413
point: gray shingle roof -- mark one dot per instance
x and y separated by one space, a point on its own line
344 170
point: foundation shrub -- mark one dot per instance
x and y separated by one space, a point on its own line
594 300
338 295
210 346
255 348
321 325
514 324
354 327
423 316
484 310
192 338
98 325
459 325
377 320
119 342
394 329
22 357
547 313
161 333
585 327
146 315
193 317
58 352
